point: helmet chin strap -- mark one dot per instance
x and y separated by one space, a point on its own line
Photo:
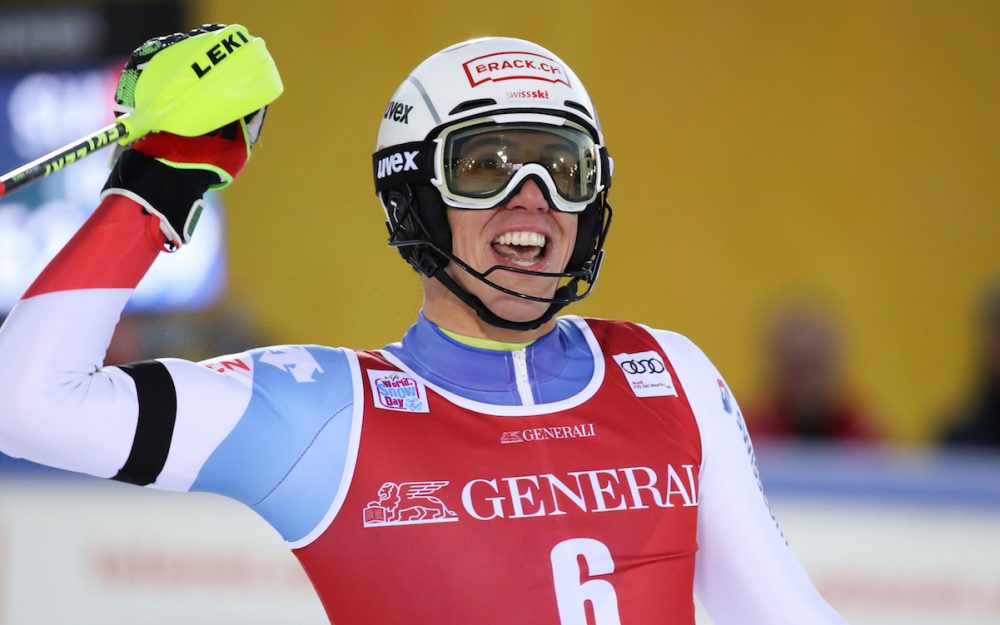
566 294
430 259
563 295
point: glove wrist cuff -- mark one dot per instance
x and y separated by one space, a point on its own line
173 195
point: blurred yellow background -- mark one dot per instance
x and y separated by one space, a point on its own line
843 151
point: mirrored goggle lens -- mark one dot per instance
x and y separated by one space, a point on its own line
480 161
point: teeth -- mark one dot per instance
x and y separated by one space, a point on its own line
526 239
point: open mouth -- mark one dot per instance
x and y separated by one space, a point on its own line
521 248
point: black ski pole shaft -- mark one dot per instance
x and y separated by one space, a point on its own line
61 157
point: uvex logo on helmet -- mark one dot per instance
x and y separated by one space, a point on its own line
514 65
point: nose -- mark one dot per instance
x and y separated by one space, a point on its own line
529 197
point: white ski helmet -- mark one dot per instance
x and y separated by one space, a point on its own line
488 88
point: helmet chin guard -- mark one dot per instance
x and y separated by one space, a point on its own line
504 81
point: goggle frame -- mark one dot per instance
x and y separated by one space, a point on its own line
457 200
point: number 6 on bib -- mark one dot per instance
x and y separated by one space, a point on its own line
571 594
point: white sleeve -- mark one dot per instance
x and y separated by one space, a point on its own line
149 423
60 407
745 572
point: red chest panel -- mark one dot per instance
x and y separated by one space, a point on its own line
585 515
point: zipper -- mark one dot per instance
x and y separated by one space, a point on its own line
520 357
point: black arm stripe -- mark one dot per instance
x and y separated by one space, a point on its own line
155 428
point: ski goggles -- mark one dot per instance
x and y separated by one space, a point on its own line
480 163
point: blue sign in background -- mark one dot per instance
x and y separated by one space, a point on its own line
41 110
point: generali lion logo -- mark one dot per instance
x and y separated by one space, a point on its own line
408 503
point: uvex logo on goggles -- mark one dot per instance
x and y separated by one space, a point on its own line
396 163
402 164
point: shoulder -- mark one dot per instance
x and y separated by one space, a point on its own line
298 363
681 350
295 370
705 387
290 357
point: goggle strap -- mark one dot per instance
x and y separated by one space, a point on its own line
402 164
605 168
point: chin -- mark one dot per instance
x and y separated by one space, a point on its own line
512 307
515 308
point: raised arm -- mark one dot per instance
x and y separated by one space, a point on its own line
745 572
270 427
58 404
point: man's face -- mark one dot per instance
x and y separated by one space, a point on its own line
526 233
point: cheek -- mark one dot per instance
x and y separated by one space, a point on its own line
466 227
568 224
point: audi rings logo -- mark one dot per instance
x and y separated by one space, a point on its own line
647 374
645 365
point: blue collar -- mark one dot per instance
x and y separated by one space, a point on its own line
559 364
